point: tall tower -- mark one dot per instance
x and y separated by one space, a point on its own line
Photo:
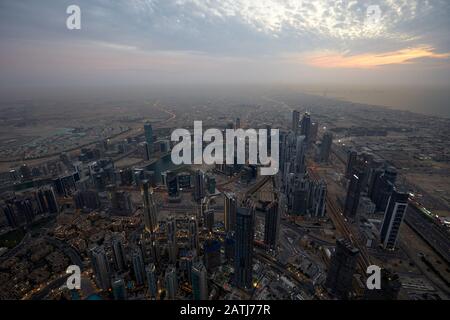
171 282
152 280
271 225
342 268
305 127
193 234
230 208
325 147
199 281
243 259
118 254
150 210
353 195
300 154
101 267
148 132
393 217
119 290
199 185
138 266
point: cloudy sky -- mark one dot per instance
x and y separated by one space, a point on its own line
138 42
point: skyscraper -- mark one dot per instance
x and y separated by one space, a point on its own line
150 210
243 259
118 254
212 254
199 185
300 154
271 224
351 162
119 290
342 268
209 219
138 266
171 282
101 267
353 195
325 147
193 234
152 280
230 208
199 281
393 217
148 132
305 127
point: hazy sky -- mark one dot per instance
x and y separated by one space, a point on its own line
138 42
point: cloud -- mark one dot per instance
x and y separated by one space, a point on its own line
371 60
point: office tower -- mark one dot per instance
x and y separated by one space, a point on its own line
149 247
138 266
342 268
229 245
393 217
314 131
391 174
382 190
152 280
212 254
351 162
390 287
271 225
237 124
101 267
243 259
87 200
353 195
25 209
119 290
10 215
171 282
173 188
295 120
319 199
118 254
300 154
325 147
299 196
145 151
172 247
210 184
209 219
230 208
148 132
199 281
193 234
305 127
199 185
150 210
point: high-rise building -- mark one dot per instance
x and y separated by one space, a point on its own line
199 281
295 120
351 162
199 185
319 199
353 195
229 245
300 154
138 266
237 124
325 147
101 267
230 208
342 268
118 254
271 224
212 254
393 217
152 280
193 234
119 290
243 255
209 219
150 210
10 215
148 132
171 282
305 127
